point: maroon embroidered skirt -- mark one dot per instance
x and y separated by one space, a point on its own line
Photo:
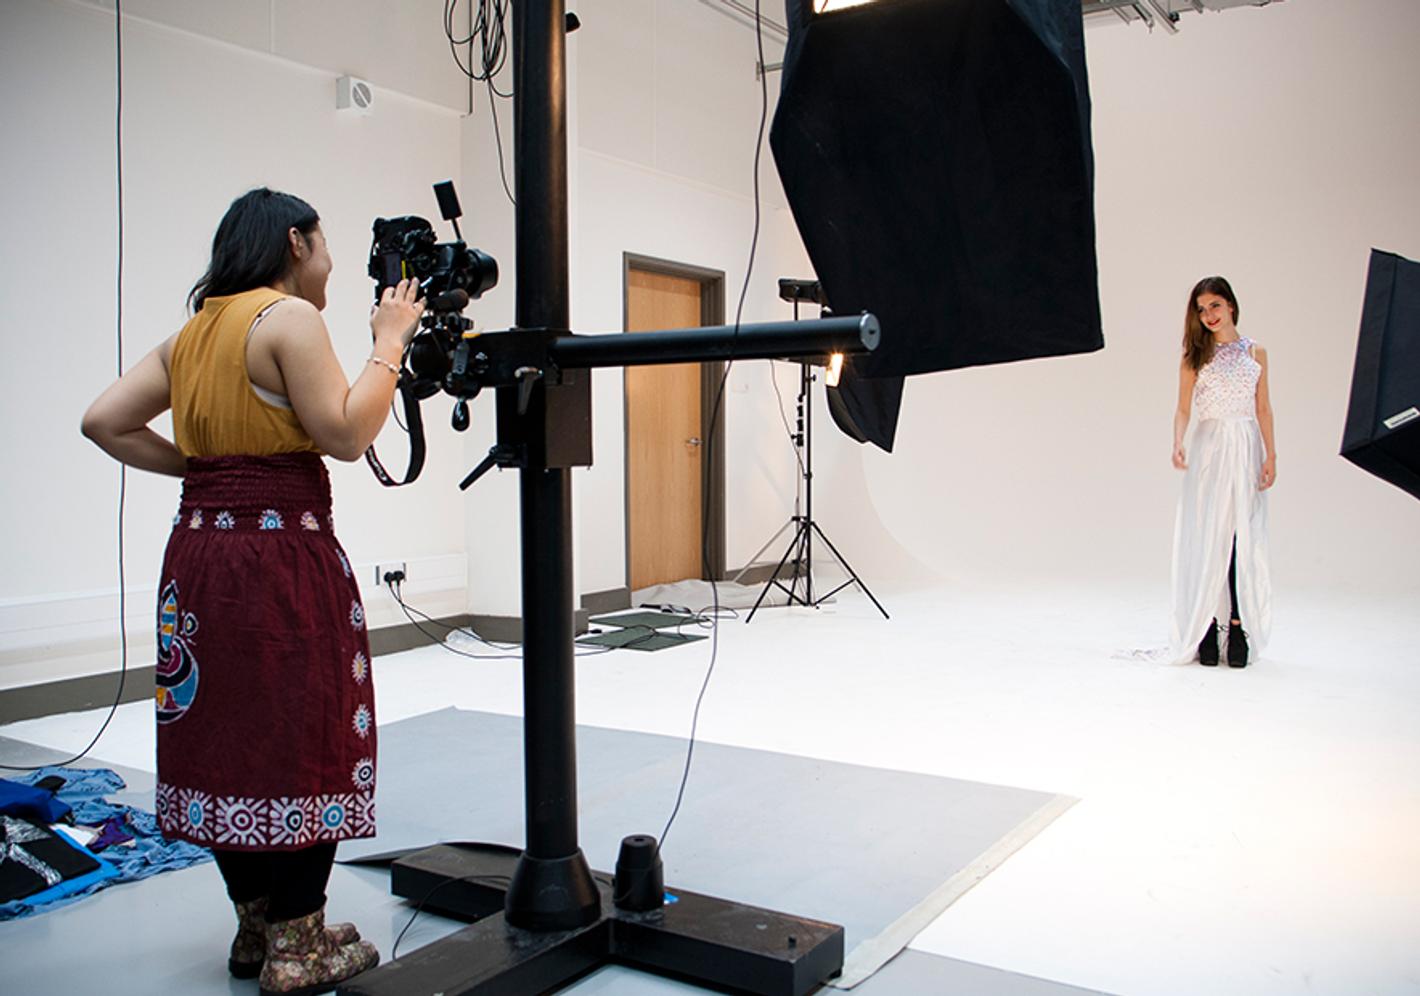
265 707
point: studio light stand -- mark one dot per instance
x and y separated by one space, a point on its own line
546 918
800 588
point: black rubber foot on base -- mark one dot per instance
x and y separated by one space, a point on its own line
640 876
555 894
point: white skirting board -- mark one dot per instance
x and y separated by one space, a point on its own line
58 635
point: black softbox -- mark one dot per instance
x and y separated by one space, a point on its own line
936 156
1383 422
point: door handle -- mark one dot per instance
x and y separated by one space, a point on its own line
693 441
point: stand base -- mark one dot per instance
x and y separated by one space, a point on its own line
799 548
709 941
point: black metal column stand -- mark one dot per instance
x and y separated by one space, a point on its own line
552 887
801 580
558 920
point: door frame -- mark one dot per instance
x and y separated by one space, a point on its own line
712 458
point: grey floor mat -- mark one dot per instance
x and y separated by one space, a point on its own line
864 847
880 852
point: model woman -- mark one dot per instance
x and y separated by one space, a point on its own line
266 736
1220 572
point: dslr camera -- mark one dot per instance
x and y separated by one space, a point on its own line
450 274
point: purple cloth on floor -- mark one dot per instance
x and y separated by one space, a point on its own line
112 832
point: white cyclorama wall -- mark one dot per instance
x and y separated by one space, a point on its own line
204 119
1272 145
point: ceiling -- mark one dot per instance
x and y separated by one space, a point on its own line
1166 14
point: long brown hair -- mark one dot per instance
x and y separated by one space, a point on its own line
1197 340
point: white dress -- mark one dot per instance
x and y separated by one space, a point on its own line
1220 501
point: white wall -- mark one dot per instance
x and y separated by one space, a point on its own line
1274 146
204 119
490 507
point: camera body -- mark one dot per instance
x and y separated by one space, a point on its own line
440 357
406 247
450 274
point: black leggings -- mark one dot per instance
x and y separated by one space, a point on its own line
1233 580
293 882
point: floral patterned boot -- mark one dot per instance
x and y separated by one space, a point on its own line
249 946
303 958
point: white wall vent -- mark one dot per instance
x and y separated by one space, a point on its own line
354 96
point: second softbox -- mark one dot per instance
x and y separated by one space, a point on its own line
1382 432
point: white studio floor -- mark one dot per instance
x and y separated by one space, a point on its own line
1253 831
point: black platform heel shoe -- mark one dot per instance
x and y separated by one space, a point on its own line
1237 646
1208 649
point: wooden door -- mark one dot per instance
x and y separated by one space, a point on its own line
663 438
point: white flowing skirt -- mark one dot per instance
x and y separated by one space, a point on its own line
1220 501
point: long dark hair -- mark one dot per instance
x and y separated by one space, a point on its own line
250 248
1198 341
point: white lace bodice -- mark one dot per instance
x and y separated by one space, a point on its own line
1227 384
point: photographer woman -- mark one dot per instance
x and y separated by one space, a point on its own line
1220 568
265 710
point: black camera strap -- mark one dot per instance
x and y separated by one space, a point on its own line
415 425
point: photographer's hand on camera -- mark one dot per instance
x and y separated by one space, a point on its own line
395 318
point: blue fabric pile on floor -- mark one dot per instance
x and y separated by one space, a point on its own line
148 853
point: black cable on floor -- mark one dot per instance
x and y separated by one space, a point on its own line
396 592
498 881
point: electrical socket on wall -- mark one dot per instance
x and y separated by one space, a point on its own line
393 567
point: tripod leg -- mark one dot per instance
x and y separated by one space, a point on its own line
760 552
774 578
852 574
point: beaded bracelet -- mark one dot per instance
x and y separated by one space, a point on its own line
386 364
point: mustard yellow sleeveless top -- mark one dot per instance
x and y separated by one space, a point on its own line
215 410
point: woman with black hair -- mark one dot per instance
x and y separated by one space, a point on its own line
1220 568
266 730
